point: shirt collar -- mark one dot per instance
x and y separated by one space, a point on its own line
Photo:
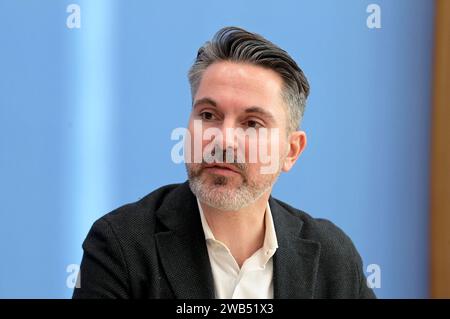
270 237
208 232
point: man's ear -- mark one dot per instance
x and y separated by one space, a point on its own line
296 145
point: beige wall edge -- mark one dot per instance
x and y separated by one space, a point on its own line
440 157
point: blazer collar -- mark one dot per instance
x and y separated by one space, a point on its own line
185 260
182 248
296 261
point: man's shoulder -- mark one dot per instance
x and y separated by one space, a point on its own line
340 273
144 209
147 204
330 236
139 215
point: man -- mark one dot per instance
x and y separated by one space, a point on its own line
221 234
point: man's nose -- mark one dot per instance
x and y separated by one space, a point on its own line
229 138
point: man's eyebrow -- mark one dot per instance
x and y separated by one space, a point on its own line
252 109
204 100
261 111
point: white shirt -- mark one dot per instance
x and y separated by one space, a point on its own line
255 279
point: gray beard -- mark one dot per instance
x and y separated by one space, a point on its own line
227 199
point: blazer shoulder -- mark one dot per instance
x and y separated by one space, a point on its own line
340 272
331 237
137 216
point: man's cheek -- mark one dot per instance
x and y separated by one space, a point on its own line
269 151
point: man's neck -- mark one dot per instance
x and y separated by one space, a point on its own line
242 231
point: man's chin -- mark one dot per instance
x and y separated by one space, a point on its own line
220 183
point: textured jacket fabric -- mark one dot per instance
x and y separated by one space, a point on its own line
155 248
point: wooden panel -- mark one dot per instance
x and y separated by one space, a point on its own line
440 157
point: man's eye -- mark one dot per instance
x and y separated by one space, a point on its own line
254 124
207 116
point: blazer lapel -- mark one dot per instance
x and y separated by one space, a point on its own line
296 260
184 256
182 249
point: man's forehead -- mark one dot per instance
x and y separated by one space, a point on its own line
241 79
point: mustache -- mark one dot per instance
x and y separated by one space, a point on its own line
219 155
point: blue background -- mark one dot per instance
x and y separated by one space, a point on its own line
86 116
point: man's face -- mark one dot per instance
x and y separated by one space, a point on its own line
233 98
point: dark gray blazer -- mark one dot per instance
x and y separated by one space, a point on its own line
155 248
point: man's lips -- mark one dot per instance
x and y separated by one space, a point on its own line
221 168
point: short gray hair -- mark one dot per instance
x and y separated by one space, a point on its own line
238 45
